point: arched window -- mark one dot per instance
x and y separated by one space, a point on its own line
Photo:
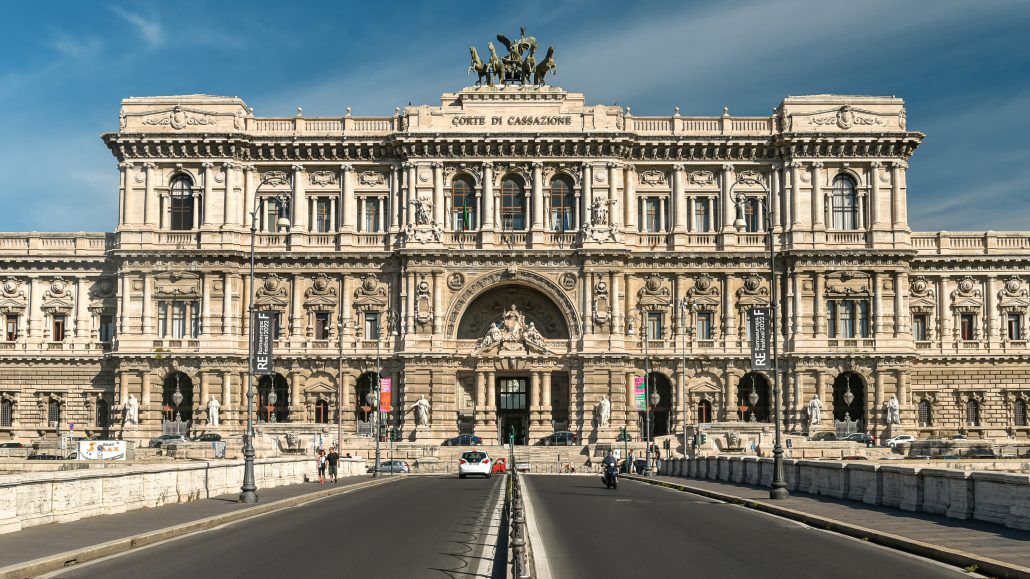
6 413
102 413
972 413
181 204
53 414
321 412
563 205
1019 412
463 205
513 205
704 412
925 413
844 203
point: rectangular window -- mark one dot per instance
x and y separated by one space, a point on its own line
321 325
1015 326
273 211
863 319
371 215
195 320
11 328
371 326
162 320
511 394
701 217
919 333
967 326
704 325
106 328
652 220
654 325
178 320
323 215
58 335
847 319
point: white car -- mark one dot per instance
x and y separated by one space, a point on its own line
474 462
900 439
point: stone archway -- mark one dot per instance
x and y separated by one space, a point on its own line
545 293
490 306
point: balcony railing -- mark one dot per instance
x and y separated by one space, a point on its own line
971 242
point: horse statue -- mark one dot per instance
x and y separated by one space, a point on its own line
479 67
529 65
544 67
494 65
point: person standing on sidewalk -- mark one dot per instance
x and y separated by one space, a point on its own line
321 467
332 459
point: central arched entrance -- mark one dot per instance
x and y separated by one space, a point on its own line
515 320
753 398
661 415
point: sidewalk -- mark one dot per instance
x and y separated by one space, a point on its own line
48 541
994 549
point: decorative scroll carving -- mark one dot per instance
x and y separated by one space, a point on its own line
371 178
654 296
423 301
701 178
652 177
921 296
322 178
321 295
371 295
179 118
272 294
602 312
511 335
13 299
846 117
275 178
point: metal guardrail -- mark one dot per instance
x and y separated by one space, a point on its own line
519 548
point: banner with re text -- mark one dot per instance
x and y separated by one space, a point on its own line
759 321
264 324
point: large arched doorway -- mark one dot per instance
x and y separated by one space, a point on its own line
661 413
753 398
490 307
363 408
177 398
849 403
273 399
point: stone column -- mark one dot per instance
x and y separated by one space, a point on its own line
900 290
437 303
300 200
150 204
438 214
679 202
615 303
538 197
729 399
587 194
898 195
209 194
534 396
296 391
148 306
546 395
818 307
123 388
902 381
487 216
776 197
795 195
480 397
226 304
200 406
613 194
824 393
412 194
395 199
631 414
205 304
81 311
728 210
943 312
249 192
229 200
818 214
124 197
491 398
878 397
226 400
296 317
877 305
629 192
123 306
728 313
345 220
409 302
144 396
991 333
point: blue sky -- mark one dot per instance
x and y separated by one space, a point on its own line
963 68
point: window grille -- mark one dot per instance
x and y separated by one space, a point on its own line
925 413
6 413
53 415
972 413
1019 417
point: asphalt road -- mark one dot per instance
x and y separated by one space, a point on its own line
641 530
419 527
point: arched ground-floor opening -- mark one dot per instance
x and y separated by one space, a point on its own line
658 416
273 399
849 403
753 398
177 398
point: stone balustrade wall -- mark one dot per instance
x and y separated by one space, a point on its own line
995 497
37 498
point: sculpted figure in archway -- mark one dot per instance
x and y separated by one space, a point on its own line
421 408
603 412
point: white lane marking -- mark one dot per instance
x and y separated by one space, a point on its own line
486 563
536 541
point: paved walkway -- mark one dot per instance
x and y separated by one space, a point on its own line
988 540
48 540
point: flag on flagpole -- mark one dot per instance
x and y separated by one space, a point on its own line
465 218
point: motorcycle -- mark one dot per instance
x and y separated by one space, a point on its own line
611 476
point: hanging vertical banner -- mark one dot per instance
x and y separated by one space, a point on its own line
640 392
264 324
386 394
759 321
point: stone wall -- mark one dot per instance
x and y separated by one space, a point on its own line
995 497
37 498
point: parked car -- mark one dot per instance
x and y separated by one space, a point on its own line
861 437
823 437
208 437
980 453
639 465
43 457
560 438
474 462
463 440
960 437
900 439
159 441
11 445
500 466
394 466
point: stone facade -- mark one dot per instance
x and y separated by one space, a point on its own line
503 255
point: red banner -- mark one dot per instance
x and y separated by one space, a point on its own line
639 392
386 394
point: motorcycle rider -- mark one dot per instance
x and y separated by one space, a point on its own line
609 464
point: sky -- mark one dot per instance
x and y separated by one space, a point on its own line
963 68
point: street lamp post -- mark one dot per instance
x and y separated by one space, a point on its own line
248 492
647 385
686 306
779 485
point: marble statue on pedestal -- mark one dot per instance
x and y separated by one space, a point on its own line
212 411
421 408
893 410
815 410
130 411
603 412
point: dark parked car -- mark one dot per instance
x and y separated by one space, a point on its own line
208 437
862 437
463 440
44 457
561 438
11 445
980 453
159 441
823 437
639 465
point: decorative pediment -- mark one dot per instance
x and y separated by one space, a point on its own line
371 295
705 292
967 296
602 312
1013 297
512 335
177 285
423 300
180 117
272 294
371 179
321 295
58 297
848 283
654 295
752 293
922 296
13 298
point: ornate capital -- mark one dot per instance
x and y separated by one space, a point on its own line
346 168
727 167
612 165
298 168
148 165
679 167
899 164
537 165
436 164
488 165
795 164
247 168
207 165
407 165
817 165
875 164
125 165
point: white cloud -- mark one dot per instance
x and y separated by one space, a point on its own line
81 48
149 30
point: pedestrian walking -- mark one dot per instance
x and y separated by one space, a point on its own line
321 467
332 459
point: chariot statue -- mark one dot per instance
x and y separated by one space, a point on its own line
518 66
